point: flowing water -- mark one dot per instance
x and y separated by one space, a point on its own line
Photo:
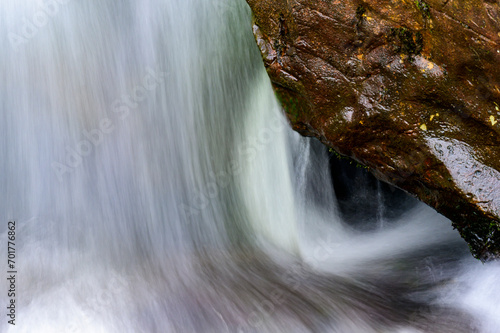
157 187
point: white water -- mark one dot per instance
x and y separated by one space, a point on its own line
195 208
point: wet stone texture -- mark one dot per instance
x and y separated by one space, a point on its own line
409 88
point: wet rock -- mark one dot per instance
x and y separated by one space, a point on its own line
410 89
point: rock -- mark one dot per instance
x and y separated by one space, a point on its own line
411 89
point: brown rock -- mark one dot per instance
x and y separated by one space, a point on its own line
410 89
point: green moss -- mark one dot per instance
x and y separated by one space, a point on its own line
350 160
360 11
483 237
405 41
337 155
494 227
289 102
424 8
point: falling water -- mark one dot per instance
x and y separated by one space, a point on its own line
156 187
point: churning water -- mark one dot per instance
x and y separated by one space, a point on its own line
156 187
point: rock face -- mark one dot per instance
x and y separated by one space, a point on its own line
409 88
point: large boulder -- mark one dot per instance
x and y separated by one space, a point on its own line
411 89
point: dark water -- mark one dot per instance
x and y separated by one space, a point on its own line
156 187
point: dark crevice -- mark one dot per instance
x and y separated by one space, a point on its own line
364 201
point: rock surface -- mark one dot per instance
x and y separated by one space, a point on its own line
409 88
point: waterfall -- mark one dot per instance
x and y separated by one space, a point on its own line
157 187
